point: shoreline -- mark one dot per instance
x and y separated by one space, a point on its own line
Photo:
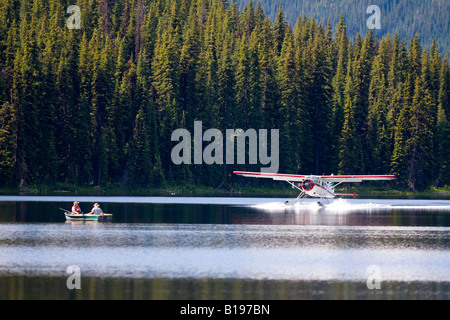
192 191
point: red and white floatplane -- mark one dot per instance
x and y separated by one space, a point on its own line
316 186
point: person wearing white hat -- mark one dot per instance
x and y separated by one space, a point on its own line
96 210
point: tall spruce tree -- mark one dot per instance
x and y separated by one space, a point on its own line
338 98
7 144
144 168
361 79
291 151
399 159
350 152
102 94
420 143
166 82
25 97
318 102
443 154
378 126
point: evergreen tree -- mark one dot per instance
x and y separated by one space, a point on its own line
280 29
47 118
443 154
7 144
166 82
291 151
338 98
144 166
255 112
420 144
269 88
102 94
226 86
189 68
242 84
414 59
25 97
444 88
361 80
122 113
81 124
350 152
67 93
318 95
207 77
378 126
443 126
399 160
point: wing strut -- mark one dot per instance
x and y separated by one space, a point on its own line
301 195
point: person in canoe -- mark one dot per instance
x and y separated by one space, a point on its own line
76 208
96 210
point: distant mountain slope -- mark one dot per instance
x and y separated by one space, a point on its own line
427 18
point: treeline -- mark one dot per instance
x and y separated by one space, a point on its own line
97 105
428 18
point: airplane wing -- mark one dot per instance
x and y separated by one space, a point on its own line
330 178
274 176
357 178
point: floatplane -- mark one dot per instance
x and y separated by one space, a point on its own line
316 186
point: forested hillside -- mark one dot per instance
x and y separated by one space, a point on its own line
428 18
97 105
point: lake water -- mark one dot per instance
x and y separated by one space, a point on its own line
226 248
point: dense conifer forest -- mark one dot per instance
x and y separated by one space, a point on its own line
97 105
428 18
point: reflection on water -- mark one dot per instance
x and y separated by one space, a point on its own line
235 211
226 251
94 288
242 250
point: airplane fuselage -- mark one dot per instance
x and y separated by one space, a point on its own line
316 188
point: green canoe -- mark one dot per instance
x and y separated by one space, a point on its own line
88 217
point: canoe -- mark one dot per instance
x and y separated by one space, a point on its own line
89 217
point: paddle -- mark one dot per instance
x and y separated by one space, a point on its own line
65 210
